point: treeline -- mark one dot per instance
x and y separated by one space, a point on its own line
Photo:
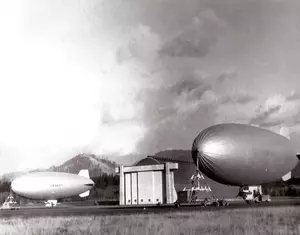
106 188
286 191
4 186
290 188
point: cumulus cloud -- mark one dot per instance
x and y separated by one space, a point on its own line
191 85
141 44
68 91
112 78
237 97
263 115
177 131
227 75
277 110
196 39
293 96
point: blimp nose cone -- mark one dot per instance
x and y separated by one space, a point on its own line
16 186
210 147
212 152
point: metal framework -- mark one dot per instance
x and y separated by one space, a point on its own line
10 201
198 183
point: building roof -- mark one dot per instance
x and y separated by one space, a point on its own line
172 159
175 155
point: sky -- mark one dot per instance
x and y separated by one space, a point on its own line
116 78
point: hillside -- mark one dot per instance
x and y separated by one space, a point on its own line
95 164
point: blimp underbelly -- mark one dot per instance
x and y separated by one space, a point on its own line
250 166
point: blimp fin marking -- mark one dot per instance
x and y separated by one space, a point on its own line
85 194
84 173
287 176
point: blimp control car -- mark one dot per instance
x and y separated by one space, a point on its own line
52 186
243 155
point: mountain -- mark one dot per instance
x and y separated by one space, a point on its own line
95 164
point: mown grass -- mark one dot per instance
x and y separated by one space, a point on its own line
239 221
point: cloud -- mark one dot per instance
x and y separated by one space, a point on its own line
262 116
178 130
185 86
297 119
173 111
293 96
277 110
227 75
196 39
237 97
141 44
70 90
112 78
191 83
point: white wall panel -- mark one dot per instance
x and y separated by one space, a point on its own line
157 187
134 188
128 198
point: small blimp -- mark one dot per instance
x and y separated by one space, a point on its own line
243 155
52 186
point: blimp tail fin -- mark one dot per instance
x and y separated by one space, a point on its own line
85 173
85 194
284 131
287 176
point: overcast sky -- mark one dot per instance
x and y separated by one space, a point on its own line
119 77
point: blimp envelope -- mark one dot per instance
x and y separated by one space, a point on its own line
238 154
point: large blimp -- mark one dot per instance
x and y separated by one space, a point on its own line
240 155
52 185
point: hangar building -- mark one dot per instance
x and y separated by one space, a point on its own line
186 168
147 184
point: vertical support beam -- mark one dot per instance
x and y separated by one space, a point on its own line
173 190
122 185
168 185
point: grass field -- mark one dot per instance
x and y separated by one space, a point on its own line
239 221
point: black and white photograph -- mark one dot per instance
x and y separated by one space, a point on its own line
157 117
